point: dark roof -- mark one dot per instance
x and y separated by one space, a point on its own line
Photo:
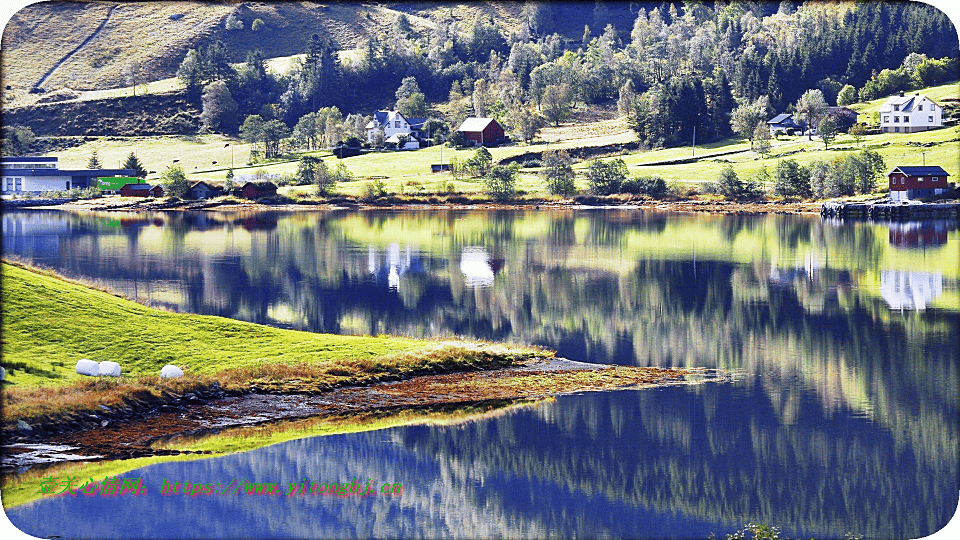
261 185
20 159
138 187
88 173
416 123
209 186
380 117
779 118
932 170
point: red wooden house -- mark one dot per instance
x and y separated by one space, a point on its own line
135 190
482 131
257 190
915 182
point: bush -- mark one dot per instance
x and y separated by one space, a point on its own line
653 186
257 25
733 188
606 177
501 182
374 189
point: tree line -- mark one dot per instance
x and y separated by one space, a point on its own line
679 72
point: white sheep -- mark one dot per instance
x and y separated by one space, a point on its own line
171 371
88 367
109 369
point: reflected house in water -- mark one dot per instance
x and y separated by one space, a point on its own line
394 264
478 267
910 290
918 234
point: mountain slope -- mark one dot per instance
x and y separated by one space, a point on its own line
88 46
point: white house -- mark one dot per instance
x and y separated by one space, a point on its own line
907 114
393 124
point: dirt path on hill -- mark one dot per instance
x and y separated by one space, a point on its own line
43 80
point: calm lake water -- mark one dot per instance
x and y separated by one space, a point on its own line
843 416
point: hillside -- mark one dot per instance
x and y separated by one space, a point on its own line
88 46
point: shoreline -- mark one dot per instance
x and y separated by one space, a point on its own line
432 203
52 415
197 414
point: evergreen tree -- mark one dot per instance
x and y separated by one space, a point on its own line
132 162
94 161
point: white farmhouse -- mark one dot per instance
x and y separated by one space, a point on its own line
393 124
907 114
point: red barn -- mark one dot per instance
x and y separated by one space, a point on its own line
258 190
156 191
135 190
483 131
914 182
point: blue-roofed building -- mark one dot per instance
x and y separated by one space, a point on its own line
785 123
39 174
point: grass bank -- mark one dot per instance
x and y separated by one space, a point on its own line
49 323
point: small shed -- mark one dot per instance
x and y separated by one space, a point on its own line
156 191
482 131
257 190
135 190
915 182
202 190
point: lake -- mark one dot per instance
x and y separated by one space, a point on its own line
843 414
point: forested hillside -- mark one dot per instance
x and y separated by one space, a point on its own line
671 69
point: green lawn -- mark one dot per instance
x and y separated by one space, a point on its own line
50 323
207 157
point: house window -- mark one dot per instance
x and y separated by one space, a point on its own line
920 108
18 184
886 119
896 130
920 179
896 107
930 119
896 119
9 184
396 124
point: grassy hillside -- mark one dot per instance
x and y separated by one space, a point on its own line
50 323
87 46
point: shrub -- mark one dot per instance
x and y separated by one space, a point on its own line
653 186
606 177
501 182
374 189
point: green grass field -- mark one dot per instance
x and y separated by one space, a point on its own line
50 323
207 157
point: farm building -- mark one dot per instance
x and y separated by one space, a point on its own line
202 190
482 131
915 182
257 190
785 123
136 190
39 174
